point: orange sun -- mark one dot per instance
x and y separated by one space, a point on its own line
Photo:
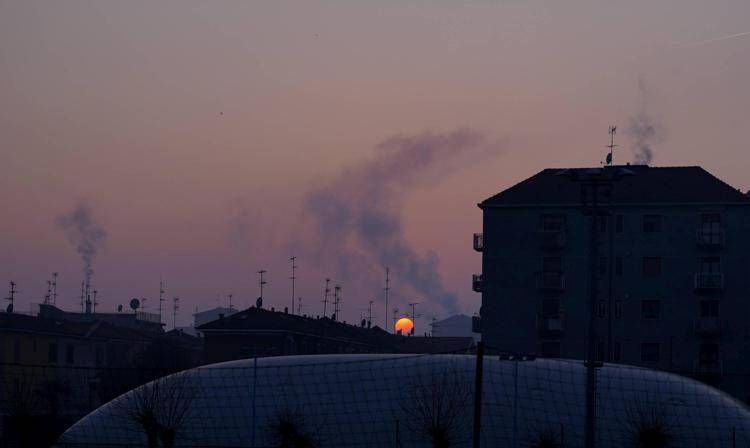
404 326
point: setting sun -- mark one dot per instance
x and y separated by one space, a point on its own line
404 326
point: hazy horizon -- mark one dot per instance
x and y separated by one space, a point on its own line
211 140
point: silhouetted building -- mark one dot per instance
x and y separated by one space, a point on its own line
257 332
672 275
459 325
139 320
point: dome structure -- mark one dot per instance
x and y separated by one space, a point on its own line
377 400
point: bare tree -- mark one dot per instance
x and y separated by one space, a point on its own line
160 407
288 430
648 427
437 406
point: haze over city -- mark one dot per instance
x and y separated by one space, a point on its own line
208 142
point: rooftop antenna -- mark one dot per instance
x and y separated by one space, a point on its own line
299 306
229 296
369 314
175 308
292 278
54 288
414 315
386 289
325 296
97 303
83 297
261 282
395 316
161 296
336 301
611 146
88 297
11 297
49 292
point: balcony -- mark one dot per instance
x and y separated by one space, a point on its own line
709 281
477 283
709 239
552 240
550 324
551 281
479 242
707 326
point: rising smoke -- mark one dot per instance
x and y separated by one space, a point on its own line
358 215
84 234
643 130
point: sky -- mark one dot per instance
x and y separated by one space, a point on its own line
208 140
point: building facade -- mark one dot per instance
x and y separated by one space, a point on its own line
672 271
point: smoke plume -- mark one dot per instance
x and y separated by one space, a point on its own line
644 131
357 216
84 234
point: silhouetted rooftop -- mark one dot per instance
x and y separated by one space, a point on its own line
646 185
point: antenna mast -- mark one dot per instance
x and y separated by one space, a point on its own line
175 308
369 314
387 288
161 296
336 301
230 301
83 298
54 288
49 292
611 146
414 315
11 297
325 296
261 282
95 302
292 278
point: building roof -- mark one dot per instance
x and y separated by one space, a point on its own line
20 323
642 184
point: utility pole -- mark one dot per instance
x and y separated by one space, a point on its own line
175 308
325 296
387 288
292 278
479 370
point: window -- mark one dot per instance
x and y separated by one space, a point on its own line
552 264
602 265
602 309
617 351
600 351
69 352
650 308
552 223
619 224
711 223
52 354
650 352
709 308
651 223
708 355
618 266
618 309
601 223
651 266
551 349
710 265
551 308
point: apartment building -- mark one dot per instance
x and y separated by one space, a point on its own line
672 270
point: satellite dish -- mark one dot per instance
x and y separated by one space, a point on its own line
134 304
259 302
119 308
9 309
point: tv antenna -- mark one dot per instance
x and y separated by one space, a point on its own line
386 289
229 296
83 297
325 296
161 296
292 278
175 308
611 146
414 315
54 288
336 301
369 313
299 306
48 297
97 303
261 282
11 297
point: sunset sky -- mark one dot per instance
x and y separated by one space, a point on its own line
198 131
